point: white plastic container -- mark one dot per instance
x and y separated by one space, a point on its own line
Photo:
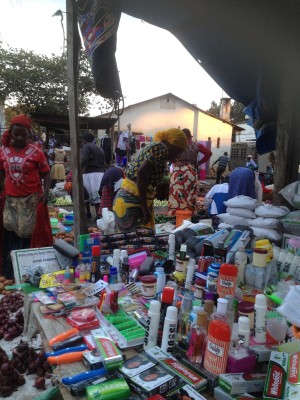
161 279
170 329
244 330
190 273
260 318
152 325
240 260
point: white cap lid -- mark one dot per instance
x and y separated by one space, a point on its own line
261 300
197 308
222 306
155 306
172 313
124 253
244 324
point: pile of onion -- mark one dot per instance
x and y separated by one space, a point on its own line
10 377
11 326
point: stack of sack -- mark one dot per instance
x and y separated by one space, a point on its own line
264 220
267 223
240 210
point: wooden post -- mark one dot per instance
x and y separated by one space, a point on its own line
73 47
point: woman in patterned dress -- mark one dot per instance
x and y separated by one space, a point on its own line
183 181
133 205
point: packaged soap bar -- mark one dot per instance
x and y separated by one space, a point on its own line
112 358
240 383
153 381
113 390
136 365
220 394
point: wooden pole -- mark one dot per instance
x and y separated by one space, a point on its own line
73 47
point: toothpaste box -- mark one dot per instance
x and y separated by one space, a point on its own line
153 381
276 376
135 365
173 365
108 351
241 383
184 392
220 394
292 388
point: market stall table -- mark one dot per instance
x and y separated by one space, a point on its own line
35 323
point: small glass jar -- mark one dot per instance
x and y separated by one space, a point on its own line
246 309
148 286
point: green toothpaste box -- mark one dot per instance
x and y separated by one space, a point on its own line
108 351
276 376
292 387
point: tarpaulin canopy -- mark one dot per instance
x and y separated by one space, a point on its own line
247 47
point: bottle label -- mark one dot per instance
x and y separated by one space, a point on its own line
226 283
216 355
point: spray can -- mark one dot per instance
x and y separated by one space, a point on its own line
169 330
152 325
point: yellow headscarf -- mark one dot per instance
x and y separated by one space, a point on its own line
174 136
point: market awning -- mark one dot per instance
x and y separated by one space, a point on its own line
246 47
62 122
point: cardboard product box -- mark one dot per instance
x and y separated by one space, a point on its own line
108 351
241 383
135 365
170 363
152 381
220 394
185 390
292 387
276 376
263 351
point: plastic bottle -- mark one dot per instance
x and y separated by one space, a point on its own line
77 270
260 318
117 262
244 330
167 298
230 310
240 260
171 247
250 275
169 329
209 307
217 347
221 312
82 273
212 276
113 278
152 325
124 270
93 273
198 338
227 280
67 274
88 270
161 279
190 273
183 320
96 253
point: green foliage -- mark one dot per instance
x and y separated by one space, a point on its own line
38 83
236 114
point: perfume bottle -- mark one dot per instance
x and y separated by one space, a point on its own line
183 320
198 338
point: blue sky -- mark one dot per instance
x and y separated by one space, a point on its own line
151 61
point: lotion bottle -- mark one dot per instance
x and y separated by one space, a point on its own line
169 330
260 318
152 325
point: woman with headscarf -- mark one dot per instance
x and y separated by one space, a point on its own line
184 176
93 167
133 205
27 182
244 181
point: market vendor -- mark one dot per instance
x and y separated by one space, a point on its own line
25 169
133 205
